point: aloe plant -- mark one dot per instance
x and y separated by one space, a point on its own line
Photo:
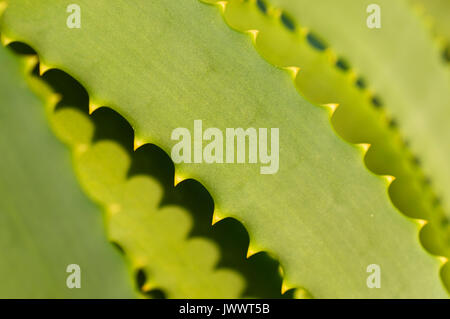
325 215
46 222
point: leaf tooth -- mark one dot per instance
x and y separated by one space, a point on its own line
293 70
331 55
274 12
364 147
253 34
331 107
285 286
30 61
222 5
138 142
178 178
93 106
53 99
43 67
443 260
139 262
252 250
389 179
5 40
149 285
304 31
420 222
217 216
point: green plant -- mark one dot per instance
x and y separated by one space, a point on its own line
325 216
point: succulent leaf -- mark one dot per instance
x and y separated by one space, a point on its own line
324 207
46 222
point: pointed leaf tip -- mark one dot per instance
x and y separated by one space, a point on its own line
331 107
389 178
216 217
253 34
148 286
43 68
285 287
4 39
293 70
31 62
252 251
222 5
93 107
421 222
178 179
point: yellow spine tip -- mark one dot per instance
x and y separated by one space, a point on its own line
43 68
293 70
421 222
5 40
352 76
216 217
331 55
251 252
253 34
54 99
331 107
365 147
275 12
137 143
443 260
389 179
139 262
93 107
30 62
178 179
147 287
284 287
304 31
222 5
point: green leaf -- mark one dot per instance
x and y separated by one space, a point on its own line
327 79
46 222
436 17
400 64
324 215
154 237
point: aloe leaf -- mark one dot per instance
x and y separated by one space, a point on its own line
107 166
435 13
327 79
401 65
153 236
46 222
324 215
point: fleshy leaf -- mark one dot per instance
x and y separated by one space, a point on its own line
46 222
435 13
327 79
324 215
401 65
153 237
145 228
